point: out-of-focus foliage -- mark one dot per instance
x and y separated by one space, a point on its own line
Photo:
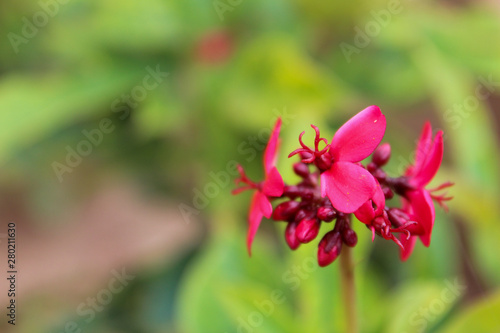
427 60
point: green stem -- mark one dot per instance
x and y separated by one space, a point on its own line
348 289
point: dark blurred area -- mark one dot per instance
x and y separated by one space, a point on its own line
122 122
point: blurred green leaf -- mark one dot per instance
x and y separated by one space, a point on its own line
223 273
272 72
482 316
34 107
160 113
418 306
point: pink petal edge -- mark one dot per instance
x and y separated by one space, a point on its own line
408 244
431 164
271 152
359 136
273 185
424 212
423 146
259 204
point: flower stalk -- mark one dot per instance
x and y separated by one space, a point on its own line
348 290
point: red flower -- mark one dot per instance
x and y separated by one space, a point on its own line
334 184
346 183
272 186
417 201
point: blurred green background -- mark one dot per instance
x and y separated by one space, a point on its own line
121 121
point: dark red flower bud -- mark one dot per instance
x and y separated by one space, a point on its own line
379 174
388 193
380 222
290 235
399 219
400 185
326 202
349 237
305 155
306 194
291 191
323 162
397 216
301 169
304 214
329 248
307 230
382 154
327 213
285 210
371 167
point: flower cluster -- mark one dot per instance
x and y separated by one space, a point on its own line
334 185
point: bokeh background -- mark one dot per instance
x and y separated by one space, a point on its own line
168 95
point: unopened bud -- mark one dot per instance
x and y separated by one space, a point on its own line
301 169
307 230
306 193
291 191
382 154
349 237
329 248
303 214
326 214
290 235
379 222
399 218
379 174
323 162
305 155
371 167
326 202
285 210
388 194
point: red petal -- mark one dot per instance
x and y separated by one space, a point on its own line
366 213
259 208
408 245
430 166
359 136
424 146
348 186
273 185
265 206
423 211
271 151
379 199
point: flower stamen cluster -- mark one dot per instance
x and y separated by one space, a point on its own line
321 158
